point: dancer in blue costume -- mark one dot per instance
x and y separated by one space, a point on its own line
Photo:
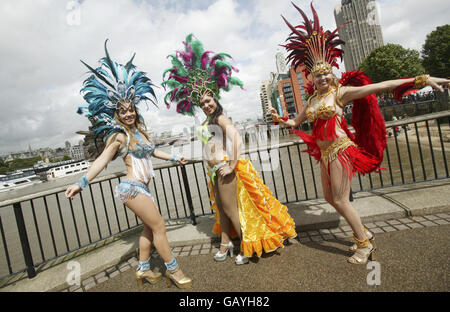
112 93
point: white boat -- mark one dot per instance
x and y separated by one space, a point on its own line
67 170
18 180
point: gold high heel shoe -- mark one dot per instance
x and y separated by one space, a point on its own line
149 276
371 239
185 282
364 252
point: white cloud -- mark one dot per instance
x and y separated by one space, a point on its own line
41 75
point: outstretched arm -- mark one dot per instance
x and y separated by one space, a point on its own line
112 146
165 156
353 93
294 123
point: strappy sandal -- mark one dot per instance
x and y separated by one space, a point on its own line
369 235
364 252
219 257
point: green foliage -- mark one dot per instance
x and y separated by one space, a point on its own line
436 52
18 164
392 61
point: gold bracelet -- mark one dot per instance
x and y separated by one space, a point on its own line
421 81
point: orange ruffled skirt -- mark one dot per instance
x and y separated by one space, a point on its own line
265 222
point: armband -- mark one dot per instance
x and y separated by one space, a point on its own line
83 182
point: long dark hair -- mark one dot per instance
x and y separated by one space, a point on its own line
215 115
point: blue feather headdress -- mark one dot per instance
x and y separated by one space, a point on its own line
108 84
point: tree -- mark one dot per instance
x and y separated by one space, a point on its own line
436 52
392 61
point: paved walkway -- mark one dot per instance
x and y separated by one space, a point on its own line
411 223
412 253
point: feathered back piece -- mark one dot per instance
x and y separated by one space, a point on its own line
310 46
108 84
194 73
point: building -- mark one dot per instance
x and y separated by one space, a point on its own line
363 34
266 103
76 152
292 95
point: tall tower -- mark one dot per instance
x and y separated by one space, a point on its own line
363 34
265 99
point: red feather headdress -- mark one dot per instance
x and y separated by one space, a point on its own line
311 46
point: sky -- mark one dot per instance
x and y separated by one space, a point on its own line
43 41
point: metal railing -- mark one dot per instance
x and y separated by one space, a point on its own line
48 226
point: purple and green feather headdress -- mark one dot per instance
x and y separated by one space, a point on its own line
194 73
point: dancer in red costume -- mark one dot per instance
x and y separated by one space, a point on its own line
340 153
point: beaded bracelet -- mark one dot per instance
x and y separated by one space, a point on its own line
421 81
83 182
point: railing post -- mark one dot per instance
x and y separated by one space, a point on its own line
24 240
188 194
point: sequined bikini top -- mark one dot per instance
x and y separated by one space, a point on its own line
141 149
324 111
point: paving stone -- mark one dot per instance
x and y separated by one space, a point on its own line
111 270
328 237
204 251
115 273
316 238
311 233
418 218
431 217
184 253
406 220
74 287
381 223
177 249
335 230
102 279
90 285
195 252
443 215
370 225
346 228
377 230
389 229
428 223
302 234
401 227
415 225
442 222
125 268
197 247
78 290
87 281
324 231
100 275
348 234
394 222
305 240
339 235
186 248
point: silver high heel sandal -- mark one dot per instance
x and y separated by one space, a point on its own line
219 257
241 259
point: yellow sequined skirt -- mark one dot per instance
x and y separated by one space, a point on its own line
265 222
